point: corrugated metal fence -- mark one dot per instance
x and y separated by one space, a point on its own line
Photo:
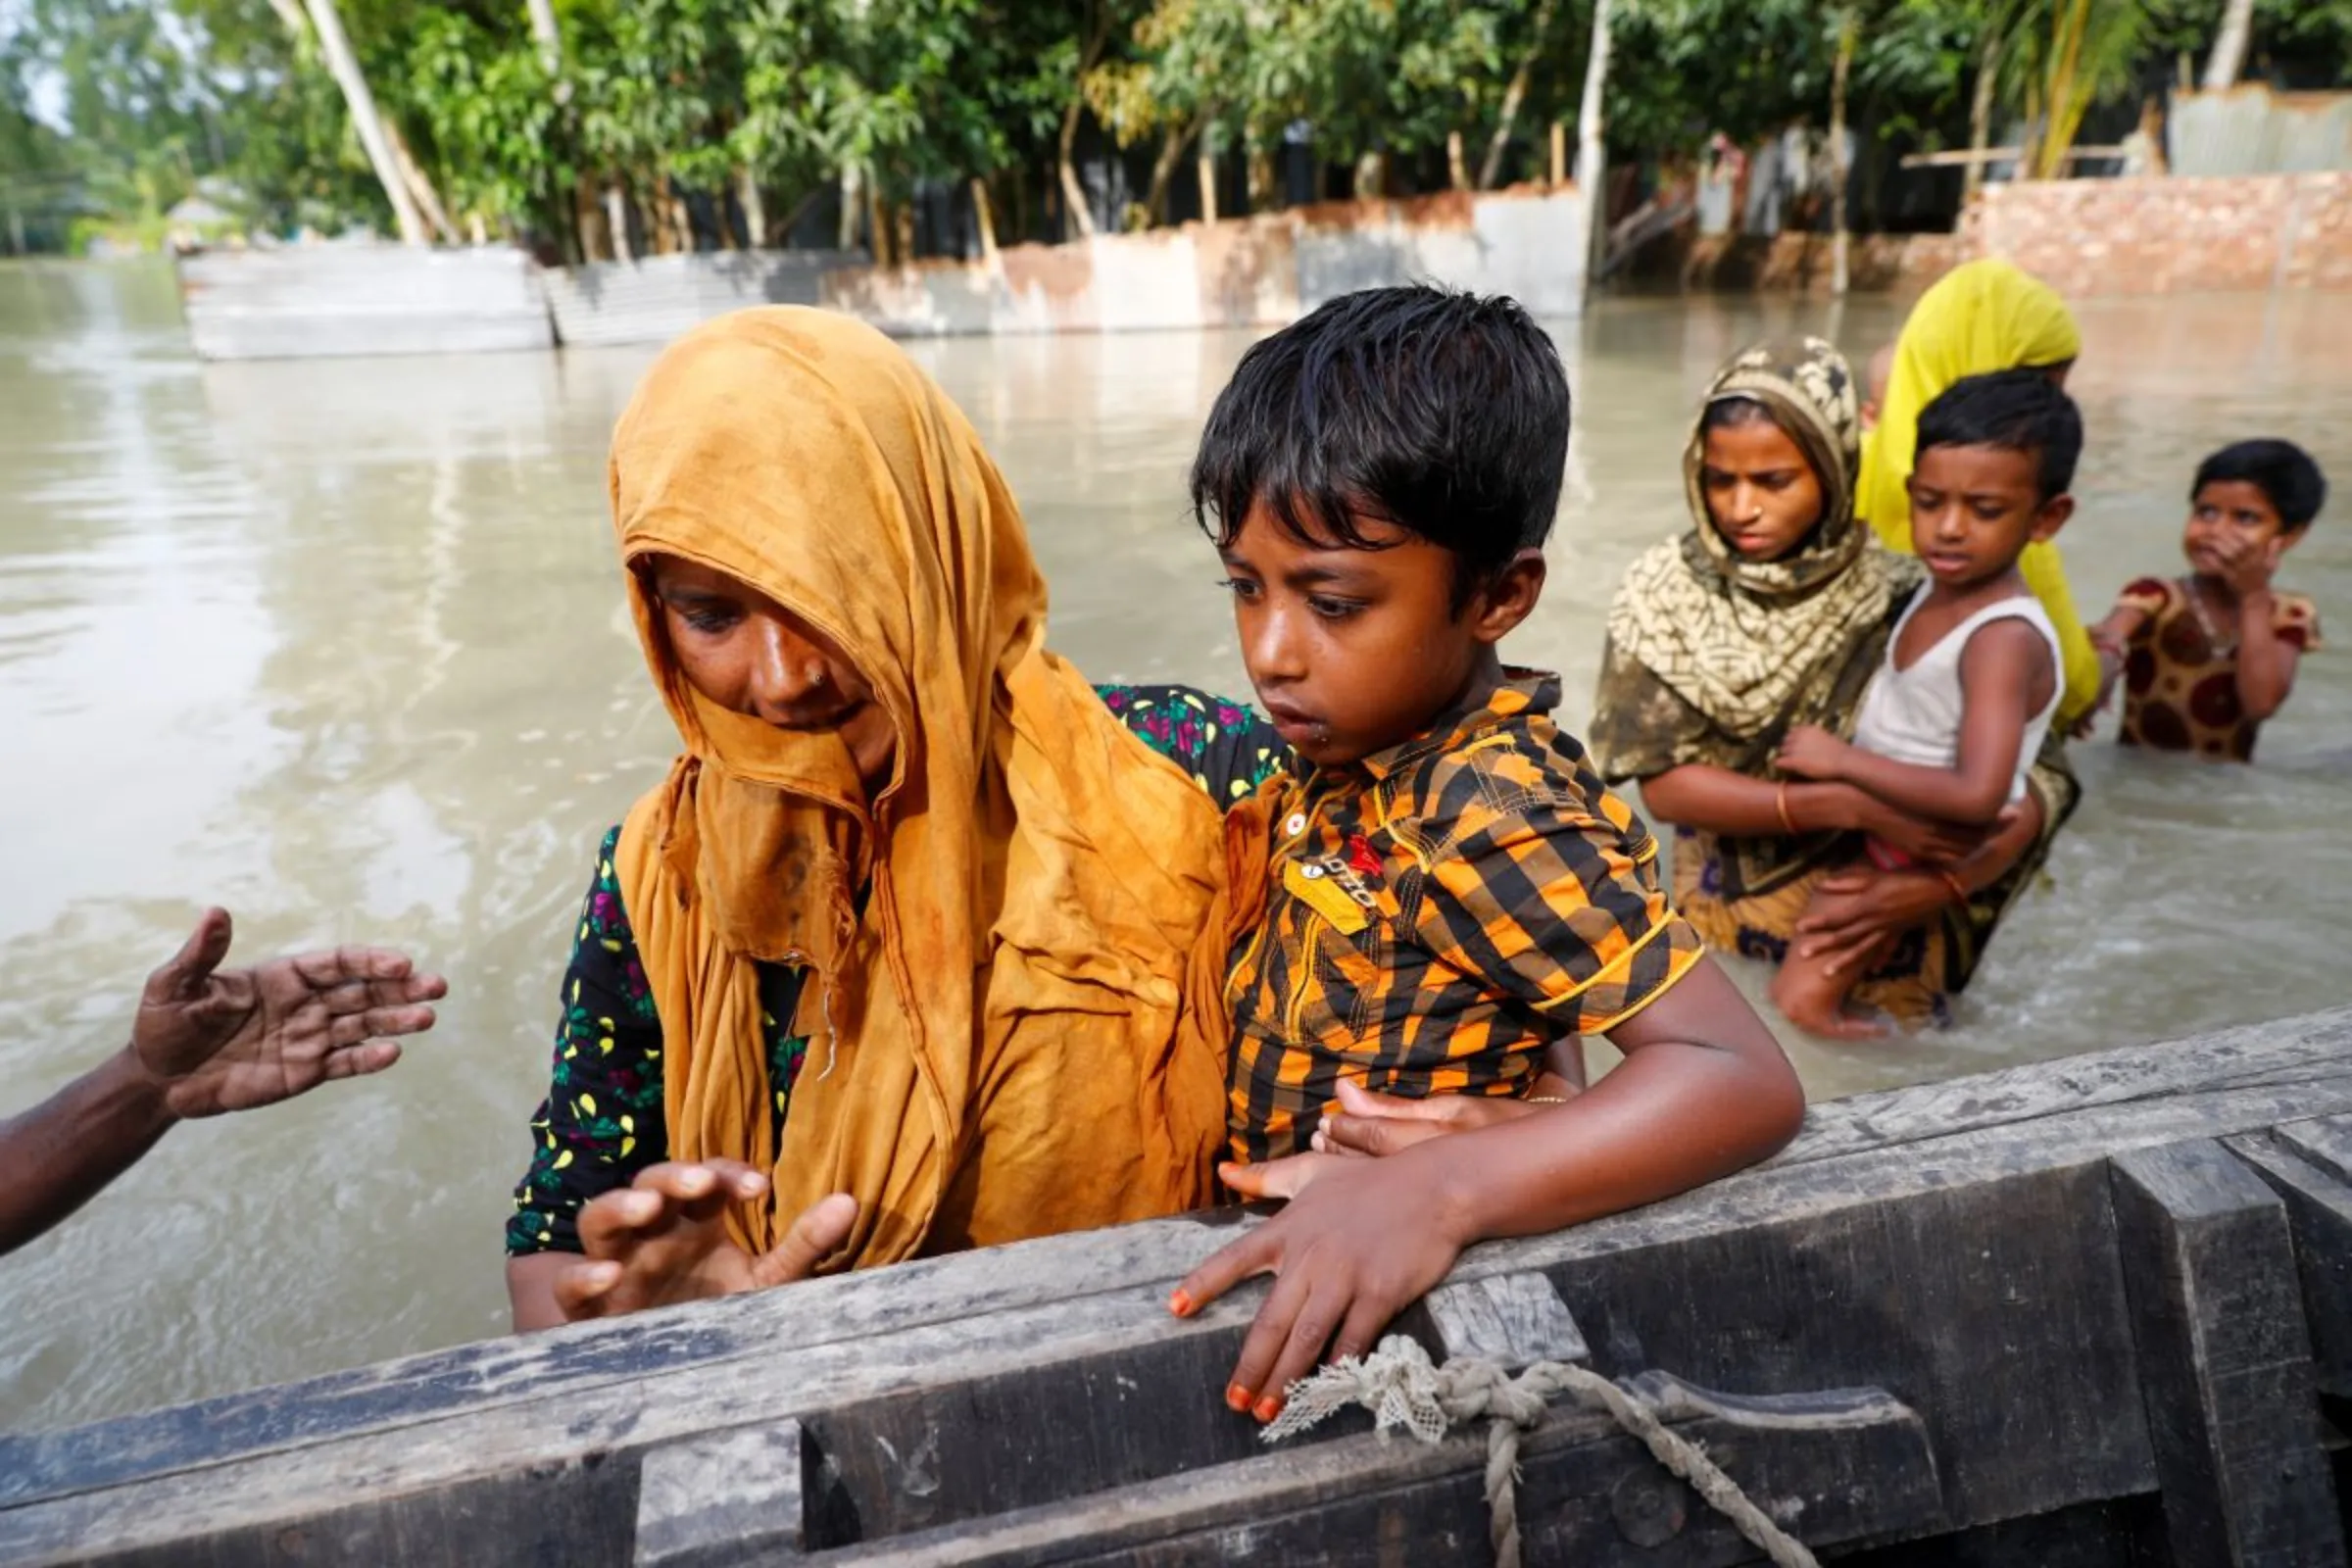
2253 130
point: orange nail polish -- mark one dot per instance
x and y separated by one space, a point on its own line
1181 1304
1268 1408
1237 1399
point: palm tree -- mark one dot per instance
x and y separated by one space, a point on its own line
2067 55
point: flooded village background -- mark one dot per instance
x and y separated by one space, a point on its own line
334 640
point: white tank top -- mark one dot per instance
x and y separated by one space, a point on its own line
1913 715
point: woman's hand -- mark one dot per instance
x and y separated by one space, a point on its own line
1810 751
1853 909
1357 1245
663 1240
1923 838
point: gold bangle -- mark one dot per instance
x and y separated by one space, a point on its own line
1780 799
1951 879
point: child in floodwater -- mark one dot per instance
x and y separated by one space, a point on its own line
1972 675
2209 656
1443 896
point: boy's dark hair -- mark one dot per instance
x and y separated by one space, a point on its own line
2017 410
2280 470
1444 413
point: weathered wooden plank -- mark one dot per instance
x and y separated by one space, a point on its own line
2255 1078
1998 1301
2319 1214
1901 1268
2285 1052
1838 1467
721 1497
1513 1320
2325 1141
2225 1360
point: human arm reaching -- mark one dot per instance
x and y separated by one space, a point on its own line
205 1040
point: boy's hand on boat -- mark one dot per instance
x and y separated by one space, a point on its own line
1810 751
217 1040
1360 1242
663 1238
1369 1123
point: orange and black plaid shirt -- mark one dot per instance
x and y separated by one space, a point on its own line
1437 916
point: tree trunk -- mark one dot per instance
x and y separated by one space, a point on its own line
984 218
1980 113
545 34
903 227
1259 172
616 221
1841 174
345 68
1559 154
2230 46
1206 171
1164 170
420 189
754 208
852 202
1371 177
1078 222
1512 97
1592 153
877 221
1457 168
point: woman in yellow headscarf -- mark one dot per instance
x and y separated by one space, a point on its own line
904 848
1982 317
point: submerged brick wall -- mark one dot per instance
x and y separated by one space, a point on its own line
2170 235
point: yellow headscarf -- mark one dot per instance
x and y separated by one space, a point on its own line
994 1040
1982 317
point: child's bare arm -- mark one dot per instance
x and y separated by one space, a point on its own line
1704 1091
1717 800
2006 676
2266 660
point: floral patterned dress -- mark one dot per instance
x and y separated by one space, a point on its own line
601 1121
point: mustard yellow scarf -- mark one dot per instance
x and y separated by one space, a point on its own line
995 1048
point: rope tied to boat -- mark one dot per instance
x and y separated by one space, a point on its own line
1404 1390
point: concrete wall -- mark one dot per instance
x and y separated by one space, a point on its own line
2170 235
340 301
656 298
1256 271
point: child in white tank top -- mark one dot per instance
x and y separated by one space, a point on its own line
1972 675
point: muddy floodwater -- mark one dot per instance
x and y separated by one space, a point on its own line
341 646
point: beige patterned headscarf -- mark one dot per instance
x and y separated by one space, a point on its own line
1712 657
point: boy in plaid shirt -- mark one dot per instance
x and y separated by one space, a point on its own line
1450 897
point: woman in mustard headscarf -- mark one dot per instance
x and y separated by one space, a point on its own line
911 877
1982 317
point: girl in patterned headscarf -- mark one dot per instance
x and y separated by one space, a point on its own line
1772 612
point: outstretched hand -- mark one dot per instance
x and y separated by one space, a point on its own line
216 1040
663 1240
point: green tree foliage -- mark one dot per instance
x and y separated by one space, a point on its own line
734 107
